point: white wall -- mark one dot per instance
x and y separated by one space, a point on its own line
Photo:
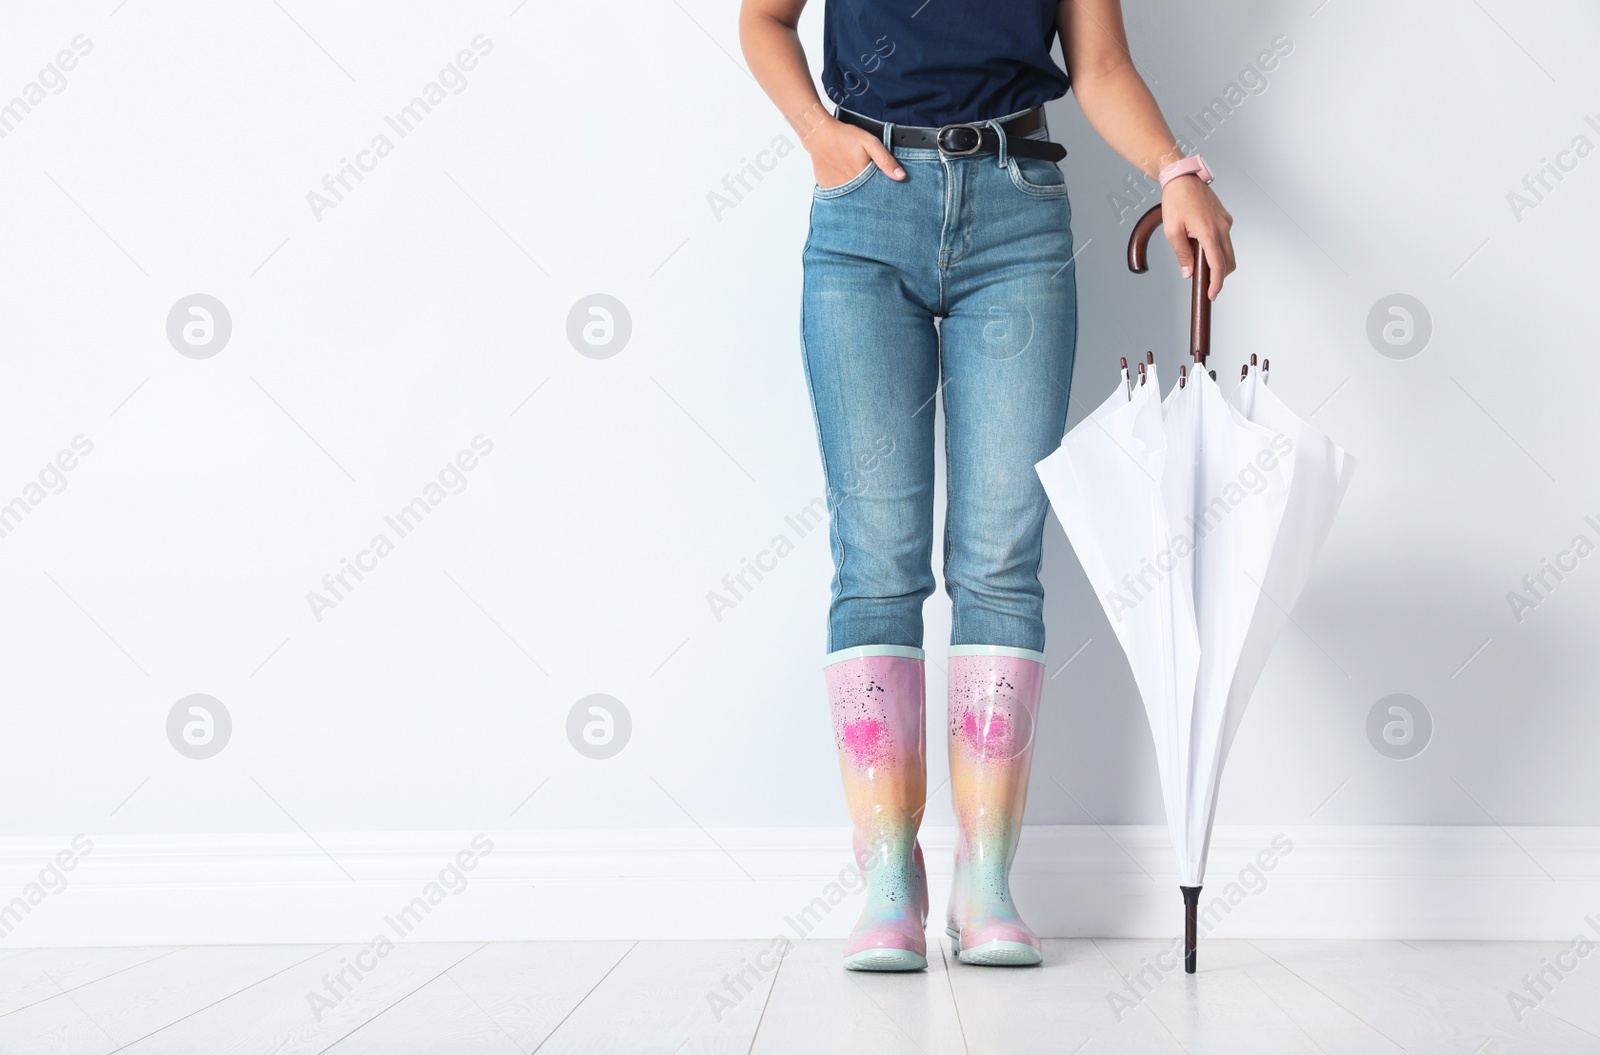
372 343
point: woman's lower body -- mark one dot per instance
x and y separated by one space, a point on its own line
956 284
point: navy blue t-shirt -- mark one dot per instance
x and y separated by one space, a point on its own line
934 62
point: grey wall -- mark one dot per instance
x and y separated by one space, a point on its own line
372 340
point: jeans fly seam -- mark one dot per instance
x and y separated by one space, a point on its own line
944 230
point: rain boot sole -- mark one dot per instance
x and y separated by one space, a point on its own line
885 960
995 953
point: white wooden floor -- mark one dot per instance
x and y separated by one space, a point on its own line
1277 997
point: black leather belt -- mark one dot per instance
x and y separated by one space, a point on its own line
965 140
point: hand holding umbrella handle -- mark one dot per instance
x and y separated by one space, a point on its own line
1199 302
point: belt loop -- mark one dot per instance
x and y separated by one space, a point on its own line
888 135
1000 134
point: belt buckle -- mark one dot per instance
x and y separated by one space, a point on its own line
977 140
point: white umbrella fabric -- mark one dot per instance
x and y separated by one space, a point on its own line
1322 472
1231 486
1105 484
1197 520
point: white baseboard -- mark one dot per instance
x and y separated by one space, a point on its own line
1335 882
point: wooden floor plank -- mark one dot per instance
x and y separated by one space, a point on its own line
288 1014
817 1005
1076 1000
1331 1027
41 974
677 998
1221 1008
102 1015
1426 1009
1552 978
664 998
507 998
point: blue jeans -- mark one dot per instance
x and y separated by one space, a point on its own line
957 280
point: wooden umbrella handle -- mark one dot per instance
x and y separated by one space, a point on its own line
1199 302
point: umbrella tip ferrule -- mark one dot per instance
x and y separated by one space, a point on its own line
1191 928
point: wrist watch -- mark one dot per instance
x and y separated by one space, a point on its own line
1184 167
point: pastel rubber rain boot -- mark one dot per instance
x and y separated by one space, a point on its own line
876 696
994 705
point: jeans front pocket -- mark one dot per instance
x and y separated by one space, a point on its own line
858 180
1035 176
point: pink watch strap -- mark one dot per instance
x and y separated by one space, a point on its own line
1184 167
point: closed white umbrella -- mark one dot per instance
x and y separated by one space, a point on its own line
1197 520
